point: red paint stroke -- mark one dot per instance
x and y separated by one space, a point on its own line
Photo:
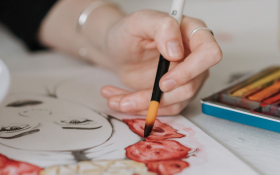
272 99
160 131
168 167
148 151
13 167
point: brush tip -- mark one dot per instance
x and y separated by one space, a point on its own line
147 131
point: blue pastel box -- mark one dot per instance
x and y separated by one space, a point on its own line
242 110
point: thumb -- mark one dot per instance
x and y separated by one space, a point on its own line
161 28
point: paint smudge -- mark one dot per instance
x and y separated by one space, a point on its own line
160 131
12 167
148 151
168 167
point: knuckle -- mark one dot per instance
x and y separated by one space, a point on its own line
147 97
189 90
186 74
215 53
197 22
138 14
175 109
168 22
200 22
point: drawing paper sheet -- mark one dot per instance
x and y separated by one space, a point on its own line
57 120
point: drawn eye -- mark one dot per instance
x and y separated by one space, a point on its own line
14 128
77 122
22 103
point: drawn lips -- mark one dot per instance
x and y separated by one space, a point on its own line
167 167
160 131
149 151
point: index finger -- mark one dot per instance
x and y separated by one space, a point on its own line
205 53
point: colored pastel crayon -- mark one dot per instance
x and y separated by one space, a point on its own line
253 79
271 110
266 93
261 83
238 102
272 99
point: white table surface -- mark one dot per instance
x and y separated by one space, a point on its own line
248 33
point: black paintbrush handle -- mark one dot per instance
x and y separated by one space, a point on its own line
163 66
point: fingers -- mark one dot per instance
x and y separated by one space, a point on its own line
205 53
110 91
184 92
160 27
138 102
173 109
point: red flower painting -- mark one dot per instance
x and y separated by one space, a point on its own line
12 167
160 131
167 167
160 155
148 151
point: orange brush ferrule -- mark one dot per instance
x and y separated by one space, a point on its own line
151 117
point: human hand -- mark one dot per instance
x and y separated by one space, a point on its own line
133 45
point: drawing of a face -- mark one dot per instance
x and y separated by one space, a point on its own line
35 122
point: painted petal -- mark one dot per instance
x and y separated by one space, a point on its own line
149 151
9 166
160 131
168 167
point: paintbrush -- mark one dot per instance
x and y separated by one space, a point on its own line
163 66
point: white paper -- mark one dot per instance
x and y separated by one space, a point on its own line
75 125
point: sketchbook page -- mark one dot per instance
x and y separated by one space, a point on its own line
210 157
57 121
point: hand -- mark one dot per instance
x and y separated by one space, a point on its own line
130 45
133 45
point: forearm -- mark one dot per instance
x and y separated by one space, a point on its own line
59 29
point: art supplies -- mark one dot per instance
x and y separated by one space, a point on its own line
254 100
176 12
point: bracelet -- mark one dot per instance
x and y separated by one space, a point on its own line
84 15
83 18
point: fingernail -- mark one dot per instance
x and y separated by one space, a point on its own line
168 85
107 92
174 49
128 106
114 104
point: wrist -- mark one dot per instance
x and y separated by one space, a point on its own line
59 29
99 23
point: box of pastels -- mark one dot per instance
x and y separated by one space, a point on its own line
253 100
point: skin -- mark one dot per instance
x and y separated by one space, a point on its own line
130 46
